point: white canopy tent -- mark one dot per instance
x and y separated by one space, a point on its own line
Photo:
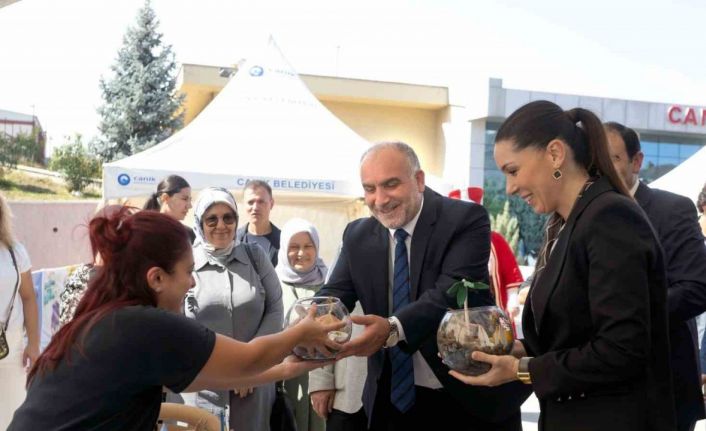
687 179
264 124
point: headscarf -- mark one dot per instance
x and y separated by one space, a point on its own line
207 198
286 273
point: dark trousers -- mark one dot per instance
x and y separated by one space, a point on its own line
342 421
433 409
686 425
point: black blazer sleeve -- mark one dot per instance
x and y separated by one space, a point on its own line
610 254
685 257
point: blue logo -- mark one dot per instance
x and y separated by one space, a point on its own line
256 71
123 179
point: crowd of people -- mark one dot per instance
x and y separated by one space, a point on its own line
608 339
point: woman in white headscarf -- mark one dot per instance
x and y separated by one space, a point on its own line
332 394
299 267
302 273
237 294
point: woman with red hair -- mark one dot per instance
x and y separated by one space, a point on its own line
105 369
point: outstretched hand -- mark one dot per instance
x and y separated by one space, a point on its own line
503 369
316 334
292 366
370 340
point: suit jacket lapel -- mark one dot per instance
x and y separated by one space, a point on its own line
546 281
421 237
377 253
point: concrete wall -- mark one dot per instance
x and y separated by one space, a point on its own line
54 233
417 127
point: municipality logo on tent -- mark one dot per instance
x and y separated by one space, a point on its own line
256 71
123 179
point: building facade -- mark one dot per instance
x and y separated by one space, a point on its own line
669 133
14 124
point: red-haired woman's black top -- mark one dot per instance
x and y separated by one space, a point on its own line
116 382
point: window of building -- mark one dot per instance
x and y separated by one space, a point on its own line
664 153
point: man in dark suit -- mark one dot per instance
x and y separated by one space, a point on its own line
674 220
257 195
399 263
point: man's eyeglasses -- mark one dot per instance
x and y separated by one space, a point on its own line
212 221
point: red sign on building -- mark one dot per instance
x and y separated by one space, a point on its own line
686 115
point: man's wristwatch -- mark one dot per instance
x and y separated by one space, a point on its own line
523 373
394 336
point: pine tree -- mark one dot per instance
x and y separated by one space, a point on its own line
140 107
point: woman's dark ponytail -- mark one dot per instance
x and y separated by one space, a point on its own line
171 185
598 162
153 202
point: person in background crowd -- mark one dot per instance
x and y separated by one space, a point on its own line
76 283
18 317
237 294
399 263
674 219
701 205
173 198
105 369
301 272
701 320
336 390
596 346
505 275
257 196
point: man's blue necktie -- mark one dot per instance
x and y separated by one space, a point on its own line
402 391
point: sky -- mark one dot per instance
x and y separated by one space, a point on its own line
54 52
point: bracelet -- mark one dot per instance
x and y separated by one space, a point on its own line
523 373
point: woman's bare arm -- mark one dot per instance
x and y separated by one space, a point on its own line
236 364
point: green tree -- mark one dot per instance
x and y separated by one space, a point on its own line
531 225
507 225
14 149
77 165
140 107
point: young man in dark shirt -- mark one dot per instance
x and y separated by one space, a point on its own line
257 196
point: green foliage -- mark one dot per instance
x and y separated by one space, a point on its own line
494 196
78 167
531 225
16 149
461 289
507 225
140 107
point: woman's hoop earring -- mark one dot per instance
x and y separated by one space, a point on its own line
556 174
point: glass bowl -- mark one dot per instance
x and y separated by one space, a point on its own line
487 329
328 310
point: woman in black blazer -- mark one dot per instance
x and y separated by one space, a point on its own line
596 350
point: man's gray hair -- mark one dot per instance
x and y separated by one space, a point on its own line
410 155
